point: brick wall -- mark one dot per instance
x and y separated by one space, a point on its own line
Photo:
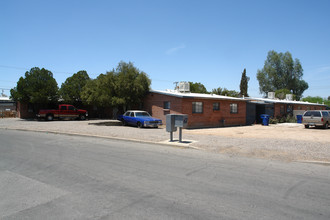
278 113
154 104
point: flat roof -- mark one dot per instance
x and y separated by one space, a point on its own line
176 93
284 101
5 99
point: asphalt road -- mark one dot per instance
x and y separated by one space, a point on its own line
49 176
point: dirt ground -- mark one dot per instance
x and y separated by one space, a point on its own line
286 131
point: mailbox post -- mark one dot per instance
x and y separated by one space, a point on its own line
174 121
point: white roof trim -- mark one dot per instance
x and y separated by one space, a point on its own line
284 101
5 99
196 95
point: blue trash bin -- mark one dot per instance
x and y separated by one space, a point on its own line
299 119
265 119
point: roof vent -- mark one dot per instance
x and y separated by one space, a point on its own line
271 95
184 87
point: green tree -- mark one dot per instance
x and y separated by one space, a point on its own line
280 71
131 86
316 99
217 91
225 92
99 91
72 87
197 88
244 84
124 87
38 86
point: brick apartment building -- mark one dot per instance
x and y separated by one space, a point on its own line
203 110
210 110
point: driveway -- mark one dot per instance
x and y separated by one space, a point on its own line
286 142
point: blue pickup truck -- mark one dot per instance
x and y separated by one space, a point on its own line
139 119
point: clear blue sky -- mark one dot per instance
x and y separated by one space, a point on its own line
171 40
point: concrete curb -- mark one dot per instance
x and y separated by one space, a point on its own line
166 143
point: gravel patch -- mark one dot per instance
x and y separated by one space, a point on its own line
286 142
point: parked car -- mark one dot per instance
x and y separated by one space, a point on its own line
316 118
63 111
139 119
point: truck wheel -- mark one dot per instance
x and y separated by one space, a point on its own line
82 117
326 125
50 117
139 125
306 126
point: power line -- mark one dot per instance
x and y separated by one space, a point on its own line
27 69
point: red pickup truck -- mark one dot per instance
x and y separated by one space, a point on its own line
63 111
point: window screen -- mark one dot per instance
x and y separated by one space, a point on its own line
197 107
216 106
233 108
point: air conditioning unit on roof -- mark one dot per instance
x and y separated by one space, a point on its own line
271 95
289 97
184 87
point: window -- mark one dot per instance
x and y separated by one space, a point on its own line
63 107
216 106
282 109
167 105
233 108
70 107
197 107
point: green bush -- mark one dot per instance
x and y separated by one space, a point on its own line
273 120
286 119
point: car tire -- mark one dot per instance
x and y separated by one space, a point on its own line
326 125
124 122
306 126
50 117
82 117
139 125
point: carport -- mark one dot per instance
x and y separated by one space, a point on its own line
255 109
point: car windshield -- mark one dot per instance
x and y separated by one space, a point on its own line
313 113
142 114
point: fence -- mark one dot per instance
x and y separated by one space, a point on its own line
8 114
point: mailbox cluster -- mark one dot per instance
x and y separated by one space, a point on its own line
174 121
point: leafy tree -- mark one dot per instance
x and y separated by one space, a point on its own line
244 84
197 88
225 92
38 86
217 91
231 93
313 99
124 87
100 90
72 87
316 99
131 86
280 71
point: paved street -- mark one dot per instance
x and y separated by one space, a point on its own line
53 176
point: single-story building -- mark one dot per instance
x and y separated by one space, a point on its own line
279 107
203 110
210 110
7 107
